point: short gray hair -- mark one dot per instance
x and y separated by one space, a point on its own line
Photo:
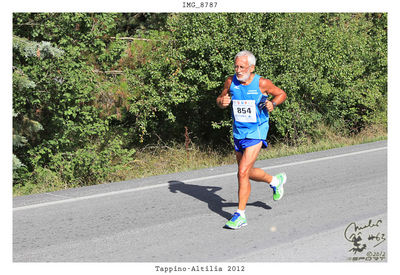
250 57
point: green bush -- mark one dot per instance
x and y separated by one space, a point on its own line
92 164
334 66
60 93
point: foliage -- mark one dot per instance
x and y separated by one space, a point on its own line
334 69
137 23
59 92
25 127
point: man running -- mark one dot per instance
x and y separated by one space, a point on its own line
248 93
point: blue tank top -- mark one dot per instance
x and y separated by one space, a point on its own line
249 121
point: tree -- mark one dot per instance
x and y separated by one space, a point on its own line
24 127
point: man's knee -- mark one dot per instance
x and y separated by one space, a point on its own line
244 173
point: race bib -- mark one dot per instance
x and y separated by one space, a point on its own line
244 110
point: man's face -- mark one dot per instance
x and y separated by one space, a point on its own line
242 68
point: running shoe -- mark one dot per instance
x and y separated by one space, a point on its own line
236 221
278 189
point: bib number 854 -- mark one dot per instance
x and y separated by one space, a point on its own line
244 111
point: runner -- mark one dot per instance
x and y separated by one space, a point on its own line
248 93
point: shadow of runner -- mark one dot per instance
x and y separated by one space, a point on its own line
207 194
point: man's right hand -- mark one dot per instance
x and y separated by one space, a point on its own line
225 101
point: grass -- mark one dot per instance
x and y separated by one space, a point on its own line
157 160
163 159
329 140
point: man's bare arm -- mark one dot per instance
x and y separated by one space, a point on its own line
224 99
266 86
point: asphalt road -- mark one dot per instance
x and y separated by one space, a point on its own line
334 210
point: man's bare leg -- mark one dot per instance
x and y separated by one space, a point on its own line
246 172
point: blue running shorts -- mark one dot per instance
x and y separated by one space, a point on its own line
241 144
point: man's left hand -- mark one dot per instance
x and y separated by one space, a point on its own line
269 105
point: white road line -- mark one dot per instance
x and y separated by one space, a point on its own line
190 180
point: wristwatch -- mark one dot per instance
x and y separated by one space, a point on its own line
274 103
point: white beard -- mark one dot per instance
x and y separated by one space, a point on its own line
244 78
